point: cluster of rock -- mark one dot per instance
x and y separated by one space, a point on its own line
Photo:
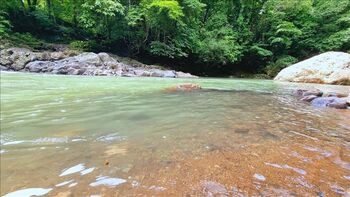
318 99
71 63
326 68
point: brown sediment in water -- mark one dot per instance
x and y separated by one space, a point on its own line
297 167
115 150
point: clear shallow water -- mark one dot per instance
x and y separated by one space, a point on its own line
64 135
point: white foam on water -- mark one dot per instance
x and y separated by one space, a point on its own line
50 140
78 140
73 184
286 166
29 192
322 152
303 135
72 170
106 181
110 137
87 171
157 188
64 183
17 121
13 143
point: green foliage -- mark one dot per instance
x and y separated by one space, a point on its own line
81 45
5 25
169 8
338 40
134 16
26 40
219 46
282 62
171 50
251 35
260 51
97 15
162 16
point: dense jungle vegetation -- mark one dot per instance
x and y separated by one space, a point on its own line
208 37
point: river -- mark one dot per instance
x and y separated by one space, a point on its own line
108 136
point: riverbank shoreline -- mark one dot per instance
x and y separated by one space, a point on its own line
68 62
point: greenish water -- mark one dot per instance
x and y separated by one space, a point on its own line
117 130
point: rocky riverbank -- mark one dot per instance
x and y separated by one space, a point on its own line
73 63
318 99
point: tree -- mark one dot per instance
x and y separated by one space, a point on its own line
99 15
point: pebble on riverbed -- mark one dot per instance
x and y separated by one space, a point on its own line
314 96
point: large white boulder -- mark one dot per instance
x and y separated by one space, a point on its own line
327 68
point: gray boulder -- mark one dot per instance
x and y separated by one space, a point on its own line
142 73
156 73
3 68
89 58
57 55
111 64
180 74
329 68
169 74
39 66
16 58
163 73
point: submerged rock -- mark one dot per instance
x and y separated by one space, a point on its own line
339 95
337 101
242 130
187 87
308 98
333 102
348 100
314 92
213 189
326 68
304 93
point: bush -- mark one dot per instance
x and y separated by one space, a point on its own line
82 45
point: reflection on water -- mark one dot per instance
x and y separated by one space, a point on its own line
102 136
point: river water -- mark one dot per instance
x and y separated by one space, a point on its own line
107 136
